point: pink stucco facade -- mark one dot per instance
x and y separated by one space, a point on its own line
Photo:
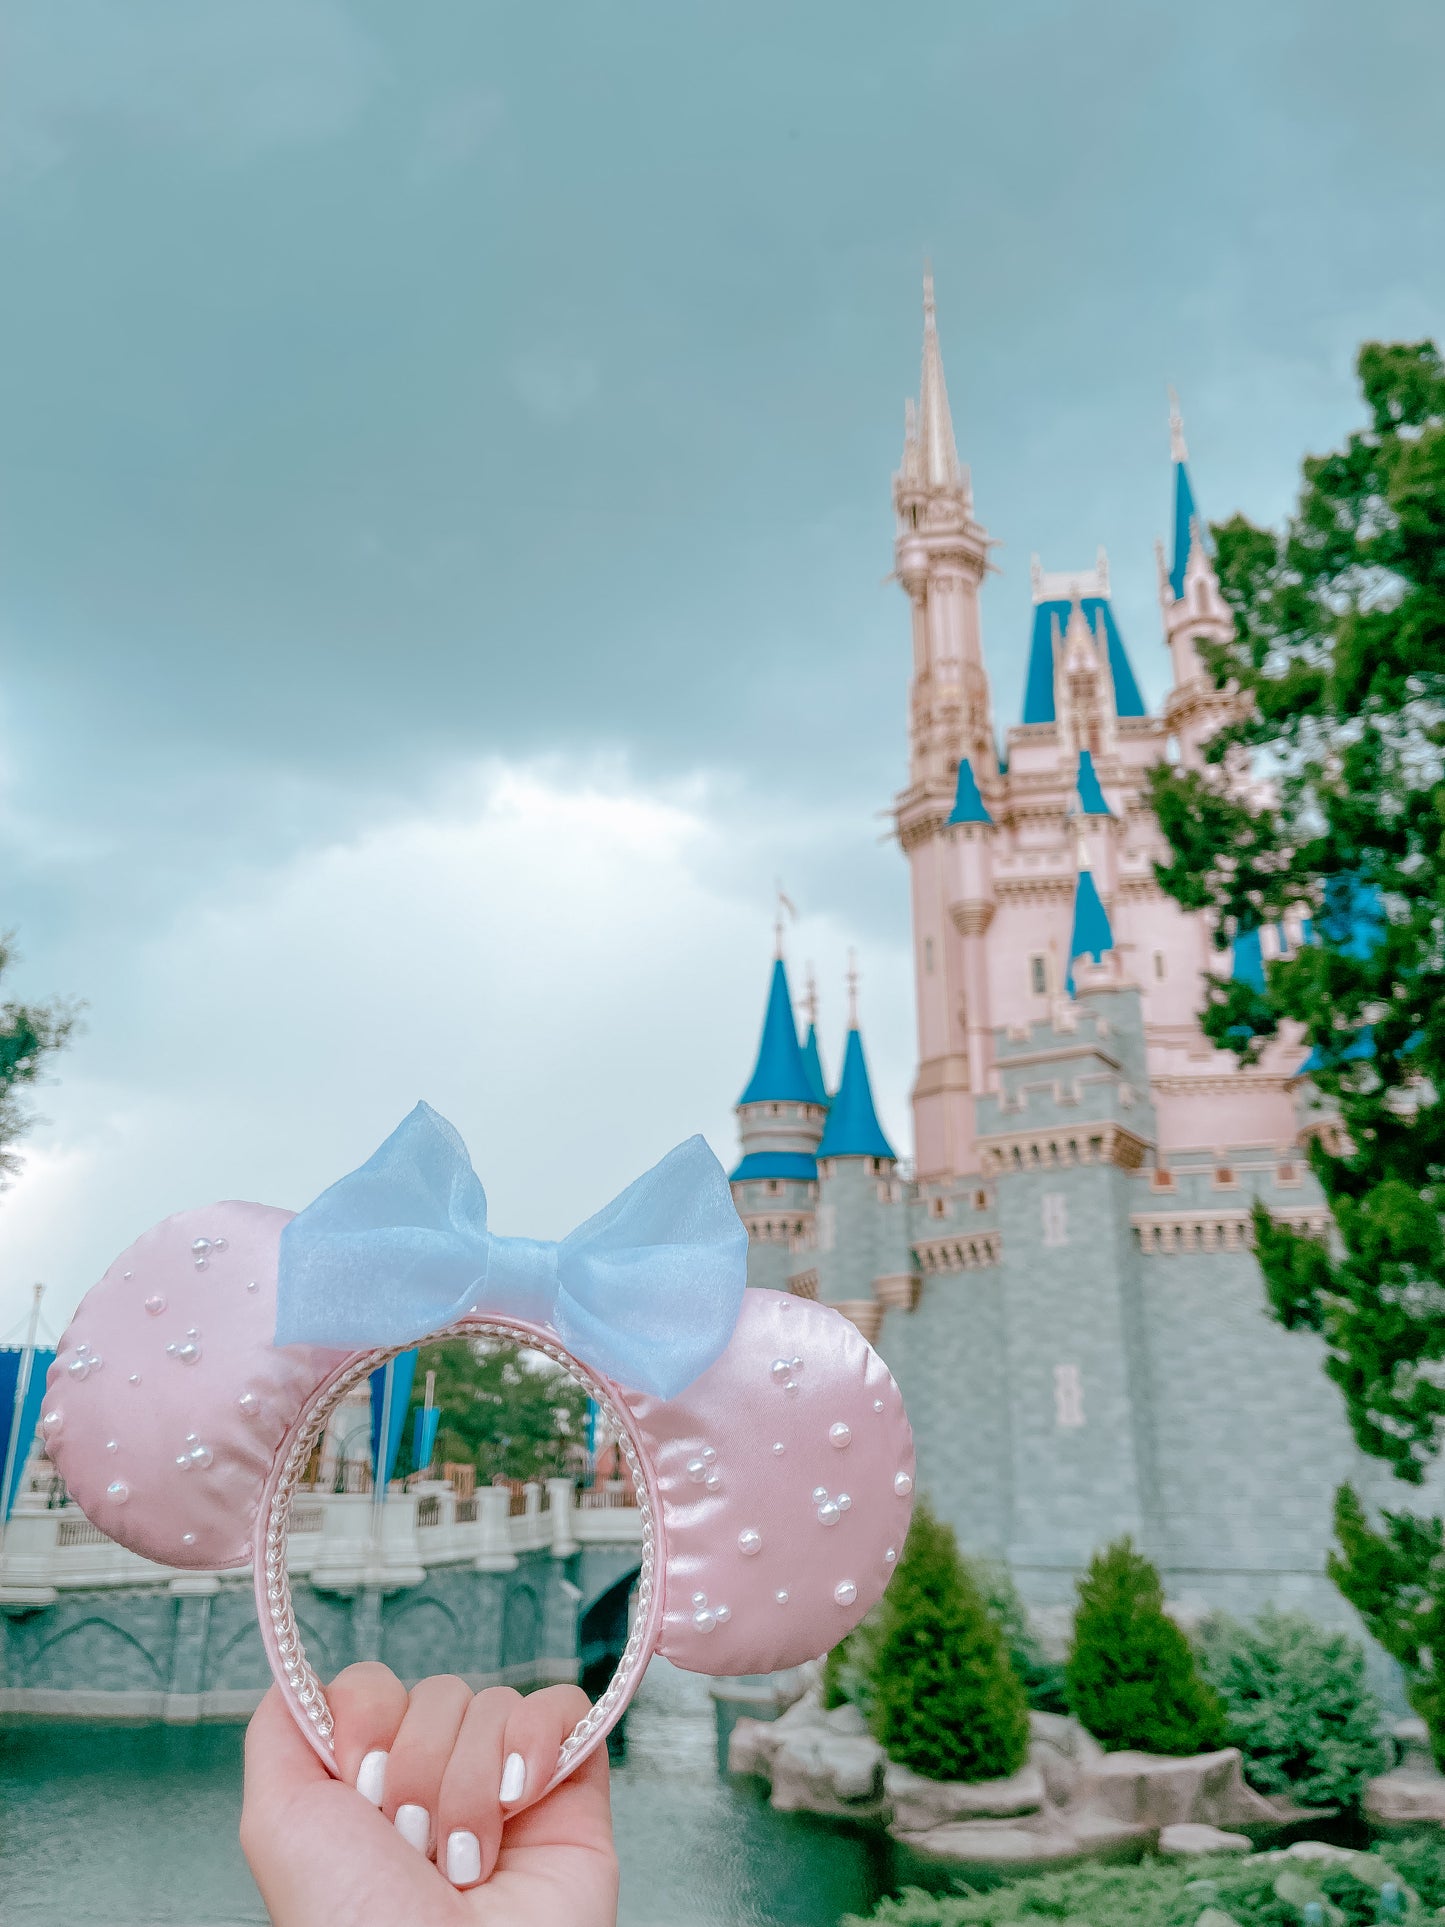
993 901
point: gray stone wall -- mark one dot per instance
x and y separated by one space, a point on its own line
180 1650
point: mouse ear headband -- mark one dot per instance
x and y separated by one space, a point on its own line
766 1441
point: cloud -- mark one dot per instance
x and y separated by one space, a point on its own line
557 962
234 80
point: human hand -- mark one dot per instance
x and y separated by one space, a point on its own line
429 1837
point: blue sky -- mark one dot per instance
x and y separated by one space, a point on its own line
444 466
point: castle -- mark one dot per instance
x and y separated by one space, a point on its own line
1064 1286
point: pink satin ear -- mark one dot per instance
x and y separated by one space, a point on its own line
167 1399
785 1476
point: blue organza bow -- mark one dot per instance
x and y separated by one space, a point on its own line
647 1292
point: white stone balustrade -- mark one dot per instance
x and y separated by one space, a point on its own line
339 1540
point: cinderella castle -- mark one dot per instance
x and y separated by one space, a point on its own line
1063 1285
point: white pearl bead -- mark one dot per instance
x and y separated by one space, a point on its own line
750 1542
820 1492
704 1620
724 1614
844 1502
781 1595
699 1599
903 1485
709 1456
845 1592
779 1448
829 1514
118 1490
839 1435
877 1405
891 1554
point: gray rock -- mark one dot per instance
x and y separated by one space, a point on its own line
1189 1837
847 1720
1412 1746
1406 1795
751 1746
818 1771
921 1805
1155 1790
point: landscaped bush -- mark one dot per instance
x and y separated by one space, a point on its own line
1131 1674
1297 1706
1043 1678
1266 1890
946 1701
848 1668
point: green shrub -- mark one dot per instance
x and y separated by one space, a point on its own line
1131 1674
848 1667
1264 1890
946 1702
1043 1678
1297 1706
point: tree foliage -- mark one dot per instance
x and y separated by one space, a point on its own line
30 1035
1338 655
1131 1676
945 1700
1298 1706
505 1411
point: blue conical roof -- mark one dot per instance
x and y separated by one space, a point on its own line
813 1065
968 805
853 1130
1092 935
1185 516
1091 797
1053 617
780 1075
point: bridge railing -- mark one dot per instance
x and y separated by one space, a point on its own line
337 1537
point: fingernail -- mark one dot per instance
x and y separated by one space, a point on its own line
414 1826
464 1859
371 1777
514 1778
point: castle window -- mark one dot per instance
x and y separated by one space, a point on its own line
928 955
1038 975
938 1207
1287 1173
1068 1398
980 1201
1224 1177
1162 1179
1056 1218
1159 966
772 1187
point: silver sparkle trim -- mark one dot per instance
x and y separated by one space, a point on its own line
305 1686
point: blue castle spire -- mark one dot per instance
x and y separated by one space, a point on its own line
1051 619
968 805
1092 935
813 1065
853 1130
1091 797
780 1075
1186 514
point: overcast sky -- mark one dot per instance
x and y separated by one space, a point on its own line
444 520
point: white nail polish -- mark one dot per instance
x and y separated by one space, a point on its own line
514 1779
414 1826
371 1777
464 1859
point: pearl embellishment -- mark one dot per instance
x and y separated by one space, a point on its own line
249 1403
829 1514
750 1542
903 1485
155 1305
839 1435
845 1592
118 1491
781 1595
53 1424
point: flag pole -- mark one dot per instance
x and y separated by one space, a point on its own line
22 1387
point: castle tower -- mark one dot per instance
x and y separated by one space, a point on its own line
1194 611
940 556
812 1057
861 1262
780 1120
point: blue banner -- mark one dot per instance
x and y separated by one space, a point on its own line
403 1371
424 1436
12 1362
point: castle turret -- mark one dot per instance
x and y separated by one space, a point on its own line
1194 611
940 556
861 1261
812 1058
780 1120
1079 675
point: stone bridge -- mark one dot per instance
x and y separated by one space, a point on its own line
519 1589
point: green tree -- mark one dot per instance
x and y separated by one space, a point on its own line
945 1700
1131 1676
1338 656
30 1034
1298 1706
506 1411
